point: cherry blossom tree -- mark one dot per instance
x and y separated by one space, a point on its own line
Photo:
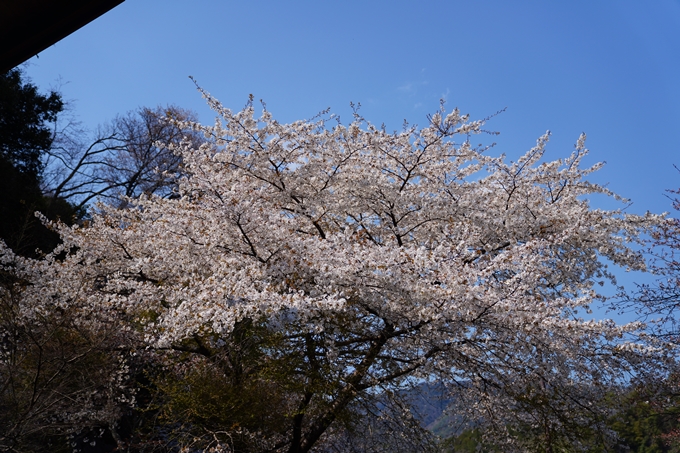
59 376
322 266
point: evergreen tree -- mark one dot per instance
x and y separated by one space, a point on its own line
25 135
25 115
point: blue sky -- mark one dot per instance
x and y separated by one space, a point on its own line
607 68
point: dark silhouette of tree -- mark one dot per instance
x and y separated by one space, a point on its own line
25 115
26 134
123 159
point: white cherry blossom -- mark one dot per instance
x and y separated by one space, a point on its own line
381 259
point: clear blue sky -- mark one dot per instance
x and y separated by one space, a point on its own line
608 68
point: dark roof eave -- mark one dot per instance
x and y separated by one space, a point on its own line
28 27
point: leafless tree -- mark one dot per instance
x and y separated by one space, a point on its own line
123 159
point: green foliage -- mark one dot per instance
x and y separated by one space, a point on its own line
198 400
24 114
21 197
469 441
204 392
643 425
24 136
237 392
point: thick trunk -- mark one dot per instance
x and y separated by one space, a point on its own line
296 443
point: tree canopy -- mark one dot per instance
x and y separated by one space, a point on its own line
324 267
26 133
25 114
